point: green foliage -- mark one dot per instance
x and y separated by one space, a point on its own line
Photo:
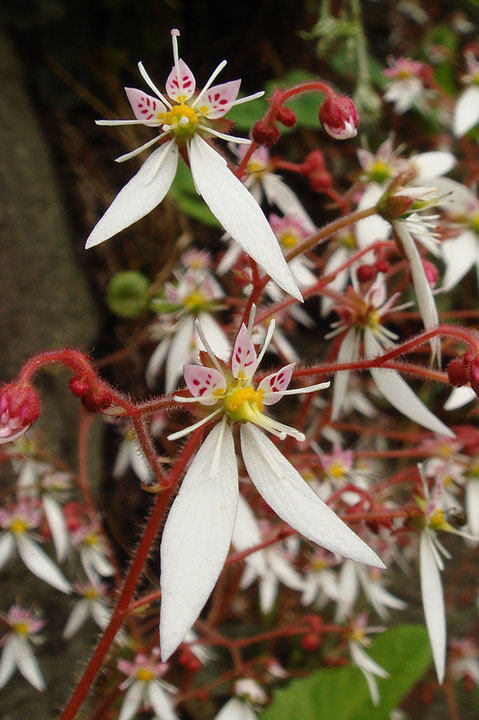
127 294
342 693
187 199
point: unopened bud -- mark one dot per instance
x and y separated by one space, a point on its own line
311 641
320 181
313 161
265 134
339 117
392 206
286 116
457 372
366 273
97 399
19 408
382 266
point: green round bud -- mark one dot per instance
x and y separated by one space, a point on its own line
127 294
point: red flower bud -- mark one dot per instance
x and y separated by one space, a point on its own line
97 399
320 180
19 408
286 116
264 133
313 161
310 642
366 272
339 117
382 266
457 372
79 384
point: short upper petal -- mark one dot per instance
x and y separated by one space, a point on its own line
276 383
197 537
147 109
289 495
238 212
140 195
243 360
203 382
216 101
180 85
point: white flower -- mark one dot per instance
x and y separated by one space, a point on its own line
91 604
92 548
352 577
406 87
17 651
145 687
466 112
236 709
365 321
320 583
369 668
17 524
200 524
131 455
184 118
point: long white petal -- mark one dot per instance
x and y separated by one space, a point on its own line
348 589
180 352
466 113
347 352
433 603
268 590
278 193
236 709
101 614
374 227
140 465
432 165
459 256
27 664
8 662
365 662
40 564
472 506
424 296
217 339
246 534
78 616
156 361
132 701
197 537
7 546
399 394
460 396
338 257
239 213
58 527
289 495
160 702
284 572
139 196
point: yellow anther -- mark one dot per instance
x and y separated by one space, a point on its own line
336 470
318 565
255 168
373 319
91 594
91 539
240 396
21 628
436 520
288 239
194 302
380 171
144 674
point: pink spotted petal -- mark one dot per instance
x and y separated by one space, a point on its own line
148 109
180 88
202 382
276 383
218 99
243 362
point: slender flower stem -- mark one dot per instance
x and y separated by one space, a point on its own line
121 610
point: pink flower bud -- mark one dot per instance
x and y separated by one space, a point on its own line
19 408
339 117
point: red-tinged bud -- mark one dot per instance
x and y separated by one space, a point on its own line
286 116
382 266
431 272
202 695
265 134
339 117
19 408
310 642
474 375
79 384
366 273
96 399
320 181
313 161
457 372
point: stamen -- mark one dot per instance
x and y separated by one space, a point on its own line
112 123
152 85
188 430
181 399
224 136
136 152
208 349
299 391
214 74
175 34
267 341
248 98
251 319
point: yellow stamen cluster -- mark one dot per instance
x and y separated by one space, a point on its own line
91 594
20 628
336 470
436 520
195 302
91 539
242 403
144 674
288 239
182 120
18 525
380 171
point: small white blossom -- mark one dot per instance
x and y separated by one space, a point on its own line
17 651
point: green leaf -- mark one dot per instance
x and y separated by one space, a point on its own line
342 693
244 116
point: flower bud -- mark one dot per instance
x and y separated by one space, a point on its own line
457 373
366 272
313 161
382 266
339 117
311 641
97 399
19 408
320 181
286 116
265 134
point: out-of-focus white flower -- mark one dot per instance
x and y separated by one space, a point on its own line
465 659
184 118
17 524
145 687
466 112
249 695
320 583
91 545
200 524
352 578
17 651
92 603
358 639
131 455
406 87
363 315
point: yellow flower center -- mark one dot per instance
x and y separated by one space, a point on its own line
18 525
243 403
182 120
255 168
373 319
195 302
436 520
474 222
336 470
318 565
347 239
91 594
144 674
288 239
358 634
380 171
91 539
21 628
